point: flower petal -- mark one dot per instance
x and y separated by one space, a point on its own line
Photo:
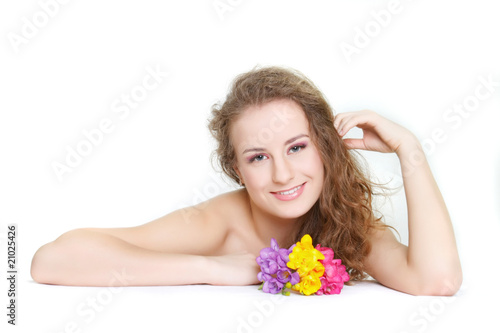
283 275
265 252
306 241
283 253
273 267
294 278
274 244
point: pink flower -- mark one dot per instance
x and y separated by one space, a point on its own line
335 274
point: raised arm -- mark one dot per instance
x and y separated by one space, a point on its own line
430 265
183 247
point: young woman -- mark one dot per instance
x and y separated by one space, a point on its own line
278 138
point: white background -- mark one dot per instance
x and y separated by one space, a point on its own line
64 76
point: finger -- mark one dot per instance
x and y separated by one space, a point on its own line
346 124
355 144
350 120
340 122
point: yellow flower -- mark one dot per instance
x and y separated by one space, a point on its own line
305 259
308 285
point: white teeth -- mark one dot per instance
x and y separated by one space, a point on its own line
291 191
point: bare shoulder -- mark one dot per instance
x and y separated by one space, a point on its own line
229 212
222 208
201 229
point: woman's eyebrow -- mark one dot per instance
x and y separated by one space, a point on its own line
295 138
287 142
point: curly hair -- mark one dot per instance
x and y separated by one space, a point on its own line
342 217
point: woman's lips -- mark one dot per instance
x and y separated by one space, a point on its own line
290 194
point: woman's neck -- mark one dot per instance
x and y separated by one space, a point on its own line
269 226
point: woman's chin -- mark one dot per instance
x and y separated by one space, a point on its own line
290 213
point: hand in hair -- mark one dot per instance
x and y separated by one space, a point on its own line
379 134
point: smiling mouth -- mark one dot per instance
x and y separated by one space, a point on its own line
290 191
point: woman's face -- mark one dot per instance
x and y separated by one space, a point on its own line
276 158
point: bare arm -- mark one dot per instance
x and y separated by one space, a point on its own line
180 248
430 264
87 257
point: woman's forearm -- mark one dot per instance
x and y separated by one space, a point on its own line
89 258
432 250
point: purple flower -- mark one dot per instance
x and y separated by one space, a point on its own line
286 275
272 286
274 272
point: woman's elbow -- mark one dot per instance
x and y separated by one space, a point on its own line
52 257
443 285
40 271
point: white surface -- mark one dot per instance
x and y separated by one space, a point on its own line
68 76
364 307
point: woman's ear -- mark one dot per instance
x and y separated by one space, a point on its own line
235 168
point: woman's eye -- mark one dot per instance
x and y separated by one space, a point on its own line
257 158
296 149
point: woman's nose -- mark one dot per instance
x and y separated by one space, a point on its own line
282 171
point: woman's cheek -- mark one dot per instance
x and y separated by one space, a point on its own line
255 177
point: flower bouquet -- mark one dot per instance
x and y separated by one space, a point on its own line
302 267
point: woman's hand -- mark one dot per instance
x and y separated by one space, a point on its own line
234 269
379 133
